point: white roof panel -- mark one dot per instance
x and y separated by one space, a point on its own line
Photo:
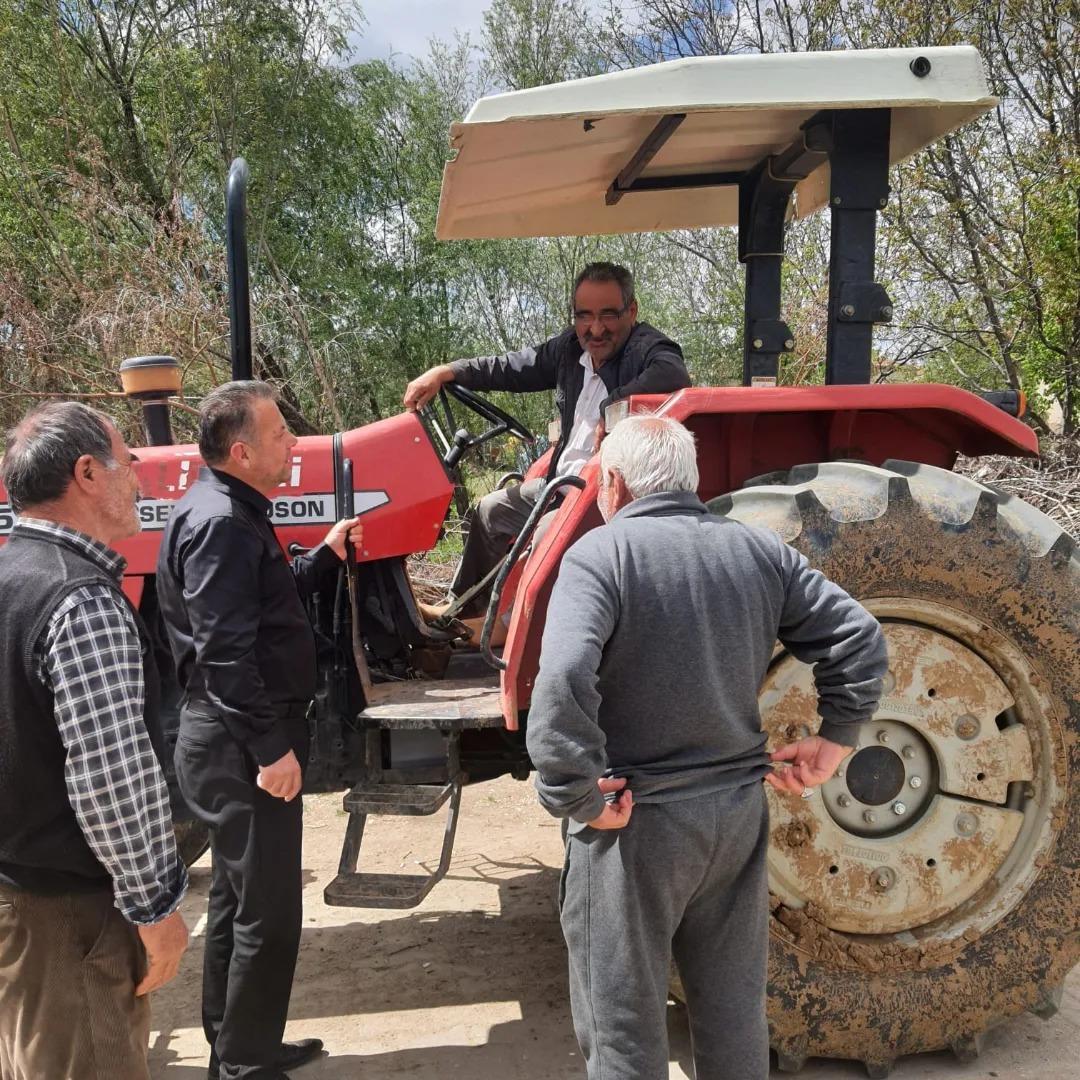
539 162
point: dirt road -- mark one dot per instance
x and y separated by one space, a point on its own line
472 983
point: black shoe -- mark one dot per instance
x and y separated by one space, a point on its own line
295 1054
291 1056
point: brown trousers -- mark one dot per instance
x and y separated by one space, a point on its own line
68 969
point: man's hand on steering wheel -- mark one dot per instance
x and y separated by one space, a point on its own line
424 388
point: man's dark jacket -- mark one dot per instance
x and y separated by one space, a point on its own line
649 363
233 609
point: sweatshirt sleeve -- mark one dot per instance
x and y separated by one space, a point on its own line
824 626
564 739
521 371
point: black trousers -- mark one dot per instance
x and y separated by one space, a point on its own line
254 914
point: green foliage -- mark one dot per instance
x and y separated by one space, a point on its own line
118 119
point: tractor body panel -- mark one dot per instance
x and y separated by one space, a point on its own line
747 432
401 490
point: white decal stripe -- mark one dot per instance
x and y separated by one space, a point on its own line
308 509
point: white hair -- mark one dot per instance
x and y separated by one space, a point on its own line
651 454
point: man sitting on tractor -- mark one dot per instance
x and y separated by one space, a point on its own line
605 356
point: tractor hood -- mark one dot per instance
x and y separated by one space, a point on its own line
544 162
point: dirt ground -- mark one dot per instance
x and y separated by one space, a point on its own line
472 983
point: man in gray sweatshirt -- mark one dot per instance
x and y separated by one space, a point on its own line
645 733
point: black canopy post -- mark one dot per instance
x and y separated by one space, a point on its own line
237 259
859 188
764 196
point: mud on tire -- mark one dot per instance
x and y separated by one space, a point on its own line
934 553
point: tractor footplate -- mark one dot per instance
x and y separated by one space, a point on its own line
446 704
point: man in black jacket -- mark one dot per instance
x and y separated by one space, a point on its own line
245 658
607 355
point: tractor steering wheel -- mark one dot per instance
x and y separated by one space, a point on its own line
489 411
501 423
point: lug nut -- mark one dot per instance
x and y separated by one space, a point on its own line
758 342
966 824
789 343
908 752
899 809
847 310
843 800
967 726
869 817
882 736
883 879
916 781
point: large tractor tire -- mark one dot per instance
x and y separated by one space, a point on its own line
932 888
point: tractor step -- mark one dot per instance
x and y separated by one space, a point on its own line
379 890
354 889
404 799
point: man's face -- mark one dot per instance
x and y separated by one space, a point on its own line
269 451
120 491
601 320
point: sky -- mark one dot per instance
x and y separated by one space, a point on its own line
404 27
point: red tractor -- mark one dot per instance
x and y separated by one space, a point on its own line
930 889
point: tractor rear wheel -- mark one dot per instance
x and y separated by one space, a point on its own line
931 889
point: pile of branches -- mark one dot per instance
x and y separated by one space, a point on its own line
1050 483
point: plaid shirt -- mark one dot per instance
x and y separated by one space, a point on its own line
90 657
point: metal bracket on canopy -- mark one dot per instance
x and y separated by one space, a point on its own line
627 179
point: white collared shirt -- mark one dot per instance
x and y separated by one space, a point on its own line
579 444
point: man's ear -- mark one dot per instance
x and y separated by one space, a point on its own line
82 475
238 454
632 309
620 493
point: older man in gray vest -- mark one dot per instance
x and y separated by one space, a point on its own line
645 732
90 878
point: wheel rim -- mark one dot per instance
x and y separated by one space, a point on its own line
938 823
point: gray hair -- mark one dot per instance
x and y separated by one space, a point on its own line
651 454
225 417
40 452
608 271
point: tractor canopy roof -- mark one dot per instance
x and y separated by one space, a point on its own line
666 146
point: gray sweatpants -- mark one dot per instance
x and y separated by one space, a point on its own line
684 879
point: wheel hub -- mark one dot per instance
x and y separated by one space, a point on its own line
915 822
875 775
880 791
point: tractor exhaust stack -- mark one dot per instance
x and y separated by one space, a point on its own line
152 380
237 257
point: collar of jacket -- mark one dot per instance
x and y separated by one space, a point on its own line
610 369
663 504
49 532
234 488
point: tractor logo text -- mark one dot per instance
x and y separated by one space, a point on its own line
314 509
